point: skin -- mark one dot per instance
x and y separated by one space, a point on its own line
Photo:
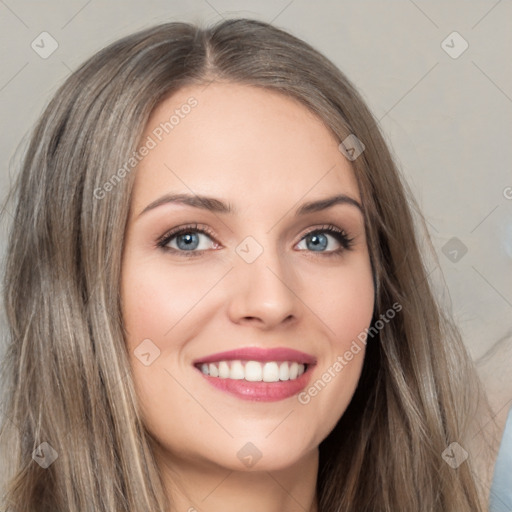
265 154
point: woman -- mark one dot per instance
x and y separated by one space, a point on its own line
216 296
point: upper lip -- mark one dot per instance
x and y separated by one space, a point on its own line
259 354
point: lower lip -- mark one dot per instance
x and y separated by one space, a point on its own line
261 391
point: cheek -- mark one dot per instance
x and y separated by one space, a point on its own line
342 299
156 299
344 302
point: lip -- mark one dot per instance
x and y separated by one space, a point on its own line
279 354
260 391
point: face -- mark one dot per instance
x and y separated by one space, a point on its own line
241 310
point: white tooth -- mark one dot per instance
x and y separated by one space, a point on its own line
237 371
284 371
270 372
214 371
253 371
223 370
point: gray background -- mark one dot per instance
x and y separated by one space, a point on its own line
446 117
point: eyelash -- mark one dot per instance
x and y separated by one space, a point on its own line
338 234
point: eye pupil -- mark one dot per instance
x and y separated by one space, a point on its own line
319 240
190 240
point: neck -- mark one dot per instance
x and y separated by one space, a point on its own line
194 486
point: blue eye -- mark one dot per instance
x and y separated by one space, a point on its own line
318 239
186 241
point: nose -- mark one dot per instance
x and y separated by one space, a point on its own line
262 293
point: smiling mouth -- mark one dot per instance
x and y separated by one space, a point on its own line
254 371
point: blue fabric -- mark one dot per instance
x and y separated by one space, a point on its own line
501 489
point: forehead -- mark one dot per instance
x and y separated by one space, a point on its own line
232 139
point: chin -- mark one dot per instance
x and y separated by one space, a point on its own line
256 456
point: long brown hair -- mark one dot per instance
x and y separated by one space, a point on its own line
67 371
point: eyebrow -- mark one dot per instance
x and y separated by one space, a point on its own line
217 206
